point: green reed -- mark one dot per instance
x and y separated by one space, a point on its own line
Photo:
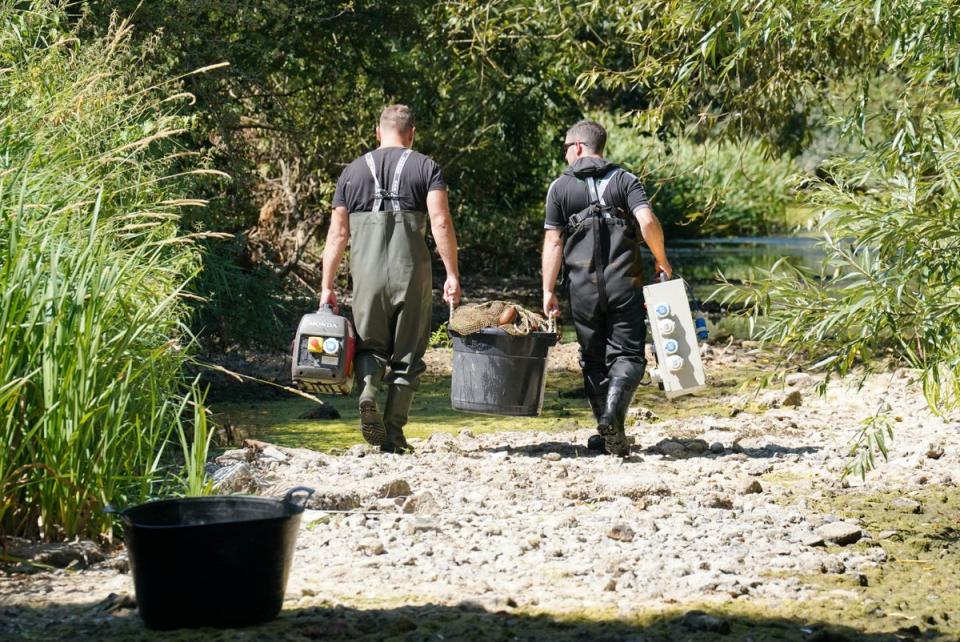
92 274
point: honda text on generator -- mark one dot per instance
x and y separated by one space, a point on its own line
323 353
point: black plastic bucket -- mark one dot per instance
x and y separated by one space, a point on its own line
498 373
212 561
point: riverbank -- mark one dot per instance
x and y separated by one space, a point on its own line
731 520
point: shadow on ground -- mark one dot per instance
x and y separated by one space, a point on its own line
467 622
568 450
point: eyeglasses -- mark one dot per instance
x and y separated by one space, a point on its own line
567 146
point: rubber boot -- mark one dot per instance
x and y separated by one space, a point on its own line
395 417
611 424
370 376
597 396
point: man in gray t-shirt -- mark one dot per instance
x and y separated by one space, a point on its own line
382 203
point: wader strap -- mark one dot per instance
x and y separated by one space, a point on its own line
378 199
395 188
595 192
394 194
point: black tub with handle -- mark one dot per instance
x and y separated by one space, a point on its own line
499 373
212 561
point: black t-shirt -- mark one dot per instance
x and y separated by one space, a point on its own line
420 175
569 194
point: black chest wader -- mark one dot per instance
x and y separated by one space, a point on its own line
604 275
392 283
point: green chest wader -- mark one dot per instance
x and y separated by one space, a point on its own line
392 284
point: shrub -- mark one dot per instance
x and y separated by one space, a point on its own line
709 189
92 273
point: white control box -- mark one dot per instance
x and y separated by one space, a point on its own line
679 366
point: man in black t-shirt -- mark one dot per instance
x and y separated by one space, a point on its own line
594 210
381 205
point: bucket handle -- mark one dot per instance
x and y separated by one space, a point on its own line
298 496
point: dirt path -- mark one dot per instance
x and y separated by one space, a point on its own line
524 535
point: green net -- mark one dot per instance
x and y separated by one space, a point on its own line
473 317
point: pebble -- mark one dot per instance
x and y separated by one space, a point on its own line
833 564
935 450
621 532
671 448
419 525
794 399
421 504
907 505
552 457
371 546
751 487
840 533
702 622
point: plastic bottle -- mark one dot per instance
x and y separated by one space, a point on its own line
700 325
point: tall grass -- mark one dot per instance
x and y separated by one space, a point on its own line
92 273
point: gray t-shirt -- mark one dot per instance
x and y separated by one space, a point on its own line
420 175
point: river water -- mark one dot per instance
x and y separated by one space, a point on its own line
700 261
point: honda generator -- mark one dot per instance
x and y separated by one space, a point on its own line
323 353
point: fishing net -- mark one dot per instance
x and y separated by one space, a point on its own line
473 317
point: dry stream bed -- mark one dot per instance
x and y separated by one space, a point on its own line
730 521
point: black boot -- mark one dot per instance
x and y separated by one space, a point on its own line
597 396
395 416
613 418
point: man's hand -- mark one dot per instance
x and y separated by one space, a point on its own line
329 297
451 289
551 307
662 265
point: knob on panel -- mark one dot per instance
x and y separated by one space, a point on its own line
667 326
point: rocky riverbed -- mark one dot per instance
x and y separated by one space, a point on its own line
730 525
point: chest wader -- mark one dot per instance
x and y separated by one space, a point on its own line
602 260
392 282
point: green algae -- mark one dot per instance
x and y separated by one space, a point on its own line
919 583
564 409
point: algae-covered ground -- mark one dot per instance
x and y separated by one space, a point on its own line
564 408
509 529
917 587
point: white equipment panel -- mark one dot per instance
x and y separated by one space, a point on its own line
679 366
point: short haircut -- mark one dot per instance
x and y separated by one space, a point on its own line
590 133
399 118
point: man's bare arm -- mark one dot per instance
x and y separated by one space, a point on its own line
550 262
652 233
338 235
441 226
